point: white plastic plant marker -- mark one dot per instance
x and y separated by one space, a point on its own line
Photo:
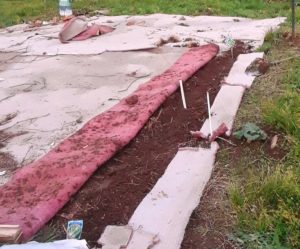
60 244
209 114
237 75
2 173
182 94
166 210
224 108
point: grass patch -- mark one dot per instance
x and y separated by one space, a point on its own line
17 11
271 38
265 196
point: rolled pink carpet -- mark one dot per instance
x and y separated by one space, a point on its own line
37 191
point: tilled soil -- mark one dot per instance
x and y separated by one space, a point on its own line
112 194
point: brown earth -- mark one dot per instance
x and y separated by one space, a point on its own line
112 194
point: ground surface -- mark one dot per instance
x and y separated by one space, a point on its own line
212 223
46 104
113 193
254 163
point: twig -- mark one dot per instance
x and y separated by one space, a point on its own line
25 84
270 74
144 76
8 97
102 76
42 82
160 112
226 140
116 99
26 155
29 119
7 118
11 58
283 60
21 43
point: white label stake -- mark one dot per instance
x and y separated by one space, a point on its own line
209 114
182 94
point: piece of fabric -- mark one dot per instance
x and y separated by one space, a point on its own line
93 30
72 28
37 191
238 75
60 244
224 109
77 29
166 210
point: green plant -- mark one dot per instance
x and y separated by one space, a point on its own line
251 132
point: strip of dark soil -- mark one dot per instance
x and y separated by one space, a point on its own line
112 194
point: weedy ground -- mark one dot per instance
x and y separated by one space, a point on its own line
265 192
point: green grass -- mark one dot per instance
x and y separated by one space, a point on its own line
16 11
265 196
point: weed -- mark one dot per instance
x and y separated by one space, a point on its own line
272 38
284 113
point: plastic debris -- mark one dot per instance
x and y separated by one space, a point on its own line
2 173
65 8
274 142
74 229
229 41
10 234
182 94
60 244
77 29
72 28
251 132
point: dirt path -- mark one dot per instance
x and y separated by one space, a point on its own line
115 190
